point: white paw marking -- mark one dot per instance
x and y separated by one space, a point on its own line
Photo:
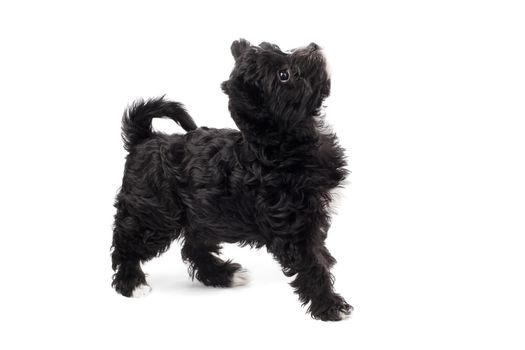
240 278
347 315
141 291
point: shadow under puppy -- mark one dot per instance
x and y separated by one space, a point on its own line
267 184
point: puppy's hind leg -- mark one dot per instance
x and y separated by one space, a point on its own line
129 279
137 240
209 269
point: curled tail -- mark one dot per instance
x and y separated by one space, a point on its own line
136 122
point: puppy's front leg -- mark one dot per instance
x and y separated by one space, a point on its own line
310 263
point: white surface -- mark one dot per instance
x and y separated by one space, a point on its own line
428 98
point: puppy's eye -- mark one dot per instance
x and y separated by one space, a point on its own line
284 75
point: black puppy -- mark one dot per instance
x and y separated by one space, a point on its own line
265 185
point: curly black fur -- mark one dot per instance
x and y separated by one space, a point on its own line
265 185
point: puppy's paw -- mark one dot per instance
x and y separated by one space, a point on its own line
336 311
141 291
240 277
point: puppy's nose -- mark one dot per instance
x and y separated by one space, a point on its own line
313 47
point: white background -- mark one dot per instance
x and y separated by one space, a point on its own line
427 98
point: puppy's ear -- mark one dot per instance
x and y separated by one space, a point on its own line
238 47
313 47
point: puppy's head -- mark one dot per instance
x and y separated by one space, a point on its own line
272 90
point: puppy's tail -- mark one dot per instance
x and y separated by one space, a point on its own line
136 122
